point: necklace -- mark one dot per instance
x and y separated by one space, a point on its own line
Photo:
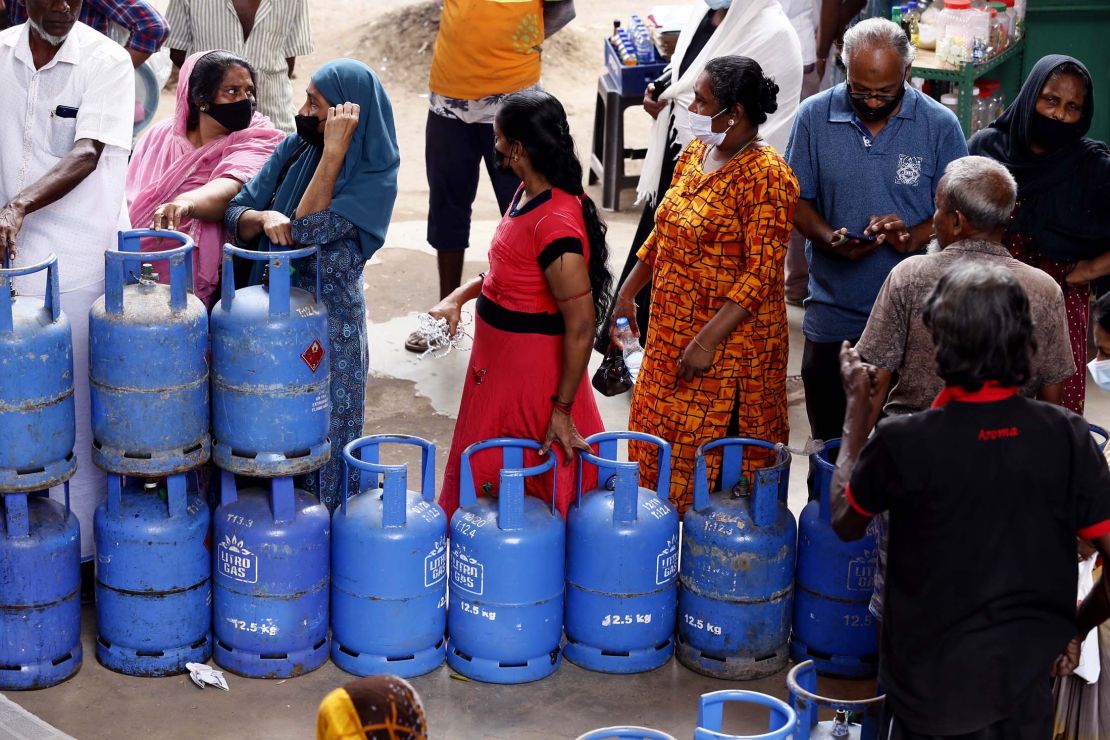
739 151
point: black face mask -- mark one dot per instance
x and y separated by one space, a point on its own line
232 116
502 163
308 129
867 113
1053 134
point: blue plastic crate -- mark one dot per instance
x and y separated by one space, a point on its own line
632 81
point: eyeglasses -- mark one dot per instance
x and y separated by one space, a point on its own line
861 96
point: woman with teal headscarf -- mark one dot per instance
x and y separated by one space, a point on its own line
332 184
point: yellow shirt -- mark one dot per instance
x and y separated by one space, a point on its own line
487 47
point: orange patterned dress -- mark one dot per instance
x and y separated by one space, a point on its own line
718 237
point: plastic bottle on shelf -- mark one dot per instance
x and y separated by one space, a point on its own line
626 49
630 345
1019 18
641 38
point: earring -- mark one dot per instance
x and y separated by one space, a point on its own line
731 122
204 107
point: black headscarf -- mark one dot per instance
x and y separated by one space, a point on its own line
1063 196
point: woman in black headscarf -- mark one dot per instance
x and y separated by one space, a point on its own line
1061 223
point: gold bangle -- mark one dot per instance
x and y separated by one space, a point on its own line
702 346
622 299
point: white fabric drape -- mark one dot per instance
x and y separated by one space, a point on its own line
754 28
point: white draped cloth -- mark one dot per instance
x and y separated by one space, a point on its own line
758 29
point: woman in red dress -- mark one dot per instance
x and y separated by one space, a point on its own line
537 309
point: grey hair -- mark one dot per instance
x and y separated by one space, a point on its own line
878 33
981 189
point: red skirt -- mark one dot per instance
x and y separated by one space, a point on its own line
509 383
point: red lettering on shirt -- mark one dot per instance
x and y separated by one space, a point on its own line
989 435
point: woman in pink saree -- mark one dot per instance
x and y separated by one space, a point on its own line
186 169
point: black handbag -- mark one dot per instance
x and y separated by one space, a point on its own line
612 377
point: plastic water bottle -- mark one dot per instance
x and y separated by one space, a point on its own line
633 352
641 38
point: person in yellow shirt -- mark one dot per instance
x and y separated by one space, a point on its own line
485 50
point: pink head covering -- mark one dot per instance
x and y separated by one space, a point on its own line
166 164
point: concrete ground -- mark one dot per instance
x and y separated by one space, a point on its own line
409 395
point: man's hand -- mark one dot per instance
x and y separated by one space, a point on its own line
651 105
859 378
340 127
850 249
1068 660
276 227
892 230
11 221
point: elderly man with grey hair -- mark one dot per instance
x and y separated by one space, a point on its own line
868 156
973 204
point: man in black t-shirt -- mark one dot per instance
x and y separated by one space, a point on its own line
987 492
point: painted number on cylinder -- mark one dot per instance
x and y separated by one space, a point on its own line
861 573
855 620
700 624
616 620
478 611
435 563
468 573
236 561
244 626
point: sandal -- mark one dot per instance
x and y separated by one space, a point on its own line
416 343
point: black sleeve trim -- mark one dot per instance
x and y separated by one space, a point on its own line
557 248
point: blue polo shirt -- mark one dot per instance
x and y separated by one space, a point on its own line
849 177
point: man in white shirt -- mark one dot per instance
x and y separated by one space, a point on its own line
66 107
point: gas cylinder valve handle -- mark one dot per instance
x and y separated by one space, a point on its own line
764 505
511 491
626 472
180 260
51 301
781 724
395 484
279 264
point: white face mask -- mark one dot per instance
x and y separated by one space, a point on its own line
1100 371
718 4
702 128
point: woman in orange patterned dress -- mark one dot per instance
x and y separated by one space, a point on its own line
715 359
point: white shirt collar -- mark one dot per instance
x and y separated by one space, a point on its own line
68 53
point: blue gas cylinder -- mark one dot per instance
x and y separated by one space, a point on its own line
36 385
153 576
801 682
148 374
40 584
271 400
711 707
270 567
622 564
832 623
388 619
508 558
736 584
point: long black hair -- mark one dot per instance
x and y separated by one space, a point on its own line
205 80
979 316
537 120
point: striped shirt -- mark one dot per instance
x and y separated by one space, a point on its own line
148 28
280 31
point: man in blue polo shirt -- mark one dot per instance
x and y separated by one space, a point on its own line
868 155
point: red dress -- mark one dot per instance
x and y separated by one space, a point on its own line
517 358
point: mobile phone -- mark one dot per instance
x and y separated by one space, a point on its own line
65 111
661 83
861 237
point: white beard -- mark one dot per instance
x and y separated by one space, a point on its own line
41 32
